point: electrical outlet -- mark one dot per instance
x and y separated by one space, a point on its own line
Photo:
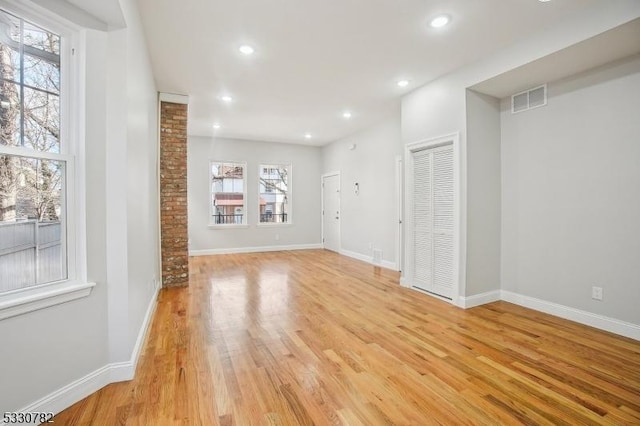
596 293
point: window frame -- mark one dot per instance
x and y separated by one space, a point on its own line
289 167
72 55
245 200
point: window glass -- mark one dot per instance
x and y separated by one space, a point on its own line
33 246
227 193
275 198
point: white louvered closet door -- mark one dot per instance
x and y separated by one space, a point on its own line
433 220
422 220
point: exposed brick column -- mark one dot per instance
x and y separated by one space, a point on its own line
173 191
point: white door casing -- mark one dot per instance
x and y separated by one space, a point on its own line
432 231
331 211
400 214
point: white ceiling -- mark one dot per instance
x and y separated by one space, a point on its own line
316 58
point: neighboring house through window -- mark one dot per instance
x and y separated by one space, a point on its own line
228 193
275 193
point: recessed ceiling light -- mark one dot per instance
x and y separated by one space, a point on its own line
543 1
403 83
216 126
307 135
245 49
440 21
226 98
346 114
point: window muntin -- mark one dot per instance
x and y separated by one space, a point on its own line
33 164
228 193
30 85
275 193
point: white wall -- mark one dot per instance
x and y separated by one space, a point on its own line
63 352
571 193
131 186
483 193
305 200
439 108
369 219
142 174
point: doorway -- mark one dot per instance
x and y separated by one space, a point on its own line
331 211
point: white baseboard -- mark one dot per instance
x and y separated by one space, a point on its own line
369 259
479 299
253 249
123 371
583 317
69 394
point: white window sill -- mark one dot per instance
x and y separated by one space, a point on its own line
230 226
40 297
273 225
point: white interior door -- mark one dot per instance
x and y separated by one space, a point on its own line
331 212
433 220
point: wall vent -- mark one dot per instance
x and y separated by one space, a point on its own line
529 99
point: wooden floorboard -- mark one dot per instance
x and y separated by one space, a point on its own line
315 338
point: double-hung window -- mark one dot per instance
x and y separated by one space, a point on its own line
228 193
38 212
275 193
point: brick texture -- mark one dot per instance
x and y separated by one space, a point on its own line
173 194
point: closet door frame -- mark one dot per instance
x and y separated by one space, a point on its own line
459 226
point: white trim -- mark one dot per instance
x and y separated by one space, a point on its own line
173 98
399 211
68 395
369 259
254 249
40 297
123 371
459 231
326 175
479 299
227 226
601 322
18 151
50 19
404 282
158 190
79 389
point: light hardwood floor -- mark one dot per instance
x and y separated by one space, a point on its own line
311 337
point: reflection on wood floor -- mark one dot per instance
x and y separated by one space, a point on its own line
312 337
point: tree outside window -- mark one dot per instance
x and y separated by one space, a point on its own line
32 165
